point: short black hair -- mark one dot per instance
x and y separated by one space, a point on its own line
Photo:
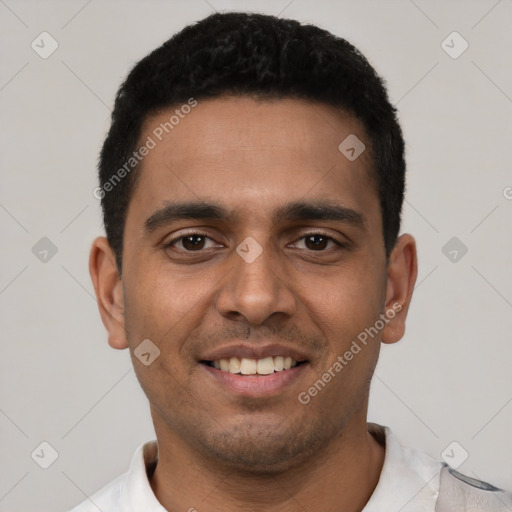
260 56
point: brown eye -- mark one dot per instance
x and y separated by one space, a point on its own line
316 242
193 242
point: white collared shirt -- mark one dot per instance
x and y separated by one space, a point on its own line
409 482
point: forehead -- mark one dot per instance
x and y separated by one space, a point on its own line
240 151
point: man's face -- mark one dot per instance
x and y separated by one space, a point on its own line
318 282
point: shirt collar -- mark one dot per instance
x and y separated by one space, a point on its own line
409 480
137 493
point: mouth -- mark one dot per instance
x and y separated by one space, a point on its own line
256 378
246 366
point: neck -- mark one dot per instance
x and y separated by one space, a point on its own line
342 477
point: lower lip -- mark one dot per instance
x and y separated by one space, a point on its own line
256 385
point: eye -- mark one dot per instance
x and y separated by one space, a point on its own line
318 242
192 242
196 242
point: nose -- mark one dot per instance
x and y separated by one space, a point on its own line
255 291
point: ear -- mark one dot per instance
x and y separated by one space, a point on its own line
109 293
402 273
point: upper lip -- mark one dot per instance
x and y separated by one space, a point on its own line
253 352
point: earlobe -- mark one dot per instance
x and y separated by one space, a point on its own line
402 273
108 288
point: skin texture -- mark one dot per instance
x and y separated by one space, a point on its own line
219 450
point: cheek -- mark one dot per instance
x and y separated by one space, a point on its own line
164 311
163 305
347 303
151 306
346 311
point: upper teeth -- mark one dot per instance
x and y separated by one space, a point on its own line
247 366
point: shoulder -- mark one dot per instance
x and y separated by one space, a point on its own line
129 491
106 499
412 480
460 492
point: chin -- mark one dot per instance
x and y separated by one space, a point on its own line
262 449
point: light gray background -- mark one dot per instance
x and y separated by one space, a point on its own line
448 380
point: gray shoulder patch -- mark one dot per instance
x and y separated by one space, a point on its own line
479 484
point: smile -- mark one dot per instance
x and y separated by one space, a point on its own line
249 366
252 383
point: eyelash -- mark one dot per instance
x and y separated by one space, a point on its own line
171 243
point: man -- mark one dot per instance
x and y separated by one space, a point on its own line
252 182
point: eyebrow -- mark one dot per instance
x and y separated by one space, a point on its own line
295 211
